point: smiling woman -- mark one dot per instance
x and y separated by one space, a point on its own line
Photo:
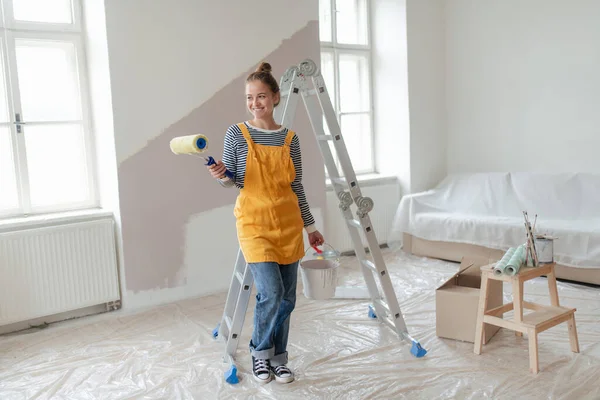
262 96
271 210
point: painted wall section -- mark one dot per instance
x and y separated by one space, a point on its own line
177 223
169 56
523 85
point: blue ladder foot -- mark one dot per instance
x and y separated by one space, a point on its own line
231 375
416 350
372 312
215 331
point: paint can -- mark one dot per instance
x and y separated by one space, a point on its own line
320 275
544 246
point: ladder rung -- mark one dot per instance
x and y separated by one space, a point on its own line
384 305
286 93
388 321
370 265
311 92
324 137
339 181
355 223
239 276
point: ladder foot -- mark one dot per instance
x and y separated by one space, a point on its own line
215 331
372 313
416 350
231 375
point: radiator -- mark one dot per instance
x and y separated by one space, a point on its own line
386 198
55 269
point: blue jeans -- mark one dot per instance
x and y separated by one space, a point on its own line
275 301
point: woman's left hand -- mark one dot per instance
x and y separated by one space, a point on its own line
315 238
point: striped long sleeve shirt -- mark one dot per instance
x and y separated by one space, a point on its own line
235 151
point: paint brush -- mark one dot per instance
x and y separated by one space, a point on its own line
530 239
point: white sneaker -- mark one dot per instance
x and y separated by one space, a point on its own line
261 369
282 374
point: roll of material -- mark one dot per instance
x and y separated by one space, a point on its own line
516 261
189 144
501 265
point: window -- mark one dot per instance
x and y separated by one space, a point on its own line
45 141
346 68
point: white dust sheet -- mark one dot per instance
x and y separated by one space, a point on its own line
337 352
486 209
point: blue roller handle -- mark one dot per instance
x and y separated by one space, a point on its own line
212 161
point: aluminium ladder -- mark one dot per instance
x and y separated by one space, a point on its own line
384 306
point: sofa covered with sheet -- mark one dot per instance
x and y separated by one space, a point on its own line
486 209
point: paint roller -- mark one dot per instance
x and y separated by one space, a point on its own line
500 266
194 145
516 261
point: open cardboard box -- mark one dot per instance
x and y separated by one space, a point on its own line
457 301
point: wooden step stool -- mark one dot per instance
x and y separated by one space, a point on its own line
543 317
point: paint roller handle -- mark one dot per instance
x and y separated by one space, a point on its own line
211 161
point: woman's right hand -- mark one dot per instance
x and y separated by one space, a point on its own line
217 170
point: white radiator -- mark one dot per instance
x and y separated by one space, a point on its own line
55 269
386 197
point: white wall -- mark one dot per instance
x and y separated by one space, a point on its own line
409 91
102 119
426 92
185 51
177 67
390 90
386 196
523 85
102 116
458 86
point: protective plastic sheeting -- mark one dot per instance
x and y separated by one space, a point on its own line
336 351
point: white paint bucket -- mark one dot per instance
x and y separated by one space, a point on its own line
544 246
319 278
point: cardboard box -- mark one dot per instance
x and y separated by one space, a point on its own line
457 301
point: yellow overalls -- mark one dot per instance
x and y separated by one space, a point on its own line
269 222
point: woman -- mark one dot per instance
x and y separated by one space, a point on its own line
271 210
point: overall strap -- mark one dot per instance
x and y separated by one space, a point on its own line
246 133
289 137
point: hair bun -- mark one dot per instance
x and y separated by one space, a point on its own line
264 67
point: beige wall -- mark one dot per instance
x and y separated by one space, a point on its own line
177 67
523 85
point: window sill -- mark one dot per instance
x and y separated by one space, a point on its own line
43 220
371 179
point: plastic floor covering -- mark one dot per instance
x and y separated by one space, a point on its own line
336 351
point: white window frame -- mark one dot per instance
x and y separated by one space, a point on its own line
342 48
11 30
13 24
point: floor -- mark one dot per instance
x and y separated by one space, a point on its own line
337 352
